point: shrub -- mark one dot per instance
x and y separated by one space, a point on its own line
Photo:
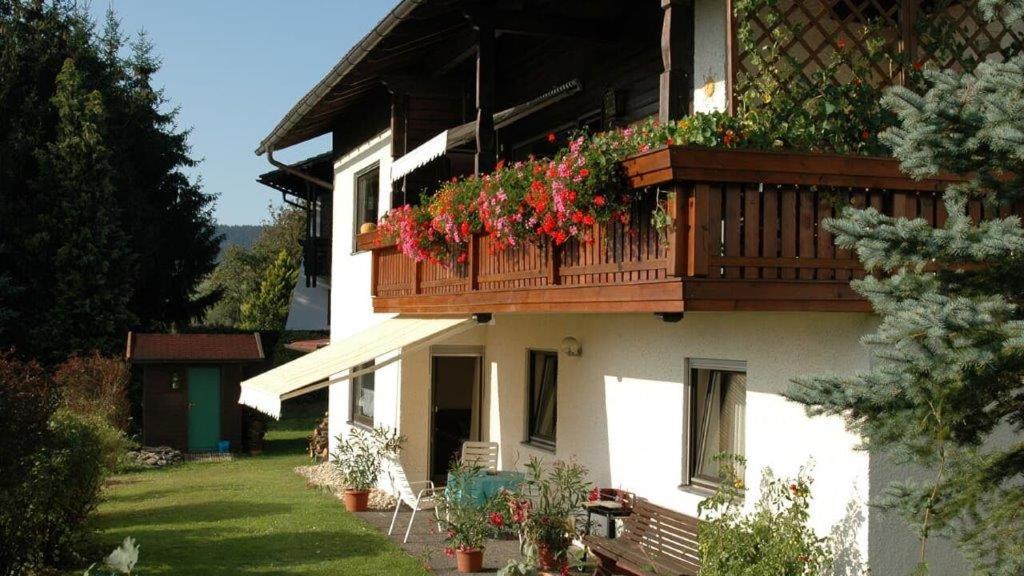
67 481
770 540
96 385
27 400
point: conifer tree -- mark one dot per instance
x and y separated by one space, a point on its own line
267 308
945 392
90 296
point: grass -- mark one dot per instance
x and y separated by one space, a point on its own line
245 516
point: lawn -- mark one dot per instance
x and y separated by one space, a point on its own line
252 515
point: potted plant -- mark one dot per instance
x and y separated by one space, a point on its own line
467 522
548 510
359 458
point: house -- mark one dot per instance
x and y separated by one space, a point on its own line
310 308
641 354
190 387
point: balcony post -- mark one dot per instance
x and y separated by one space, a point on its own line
473 264
554 263
676 83
483 24
697 243
678 235
417 277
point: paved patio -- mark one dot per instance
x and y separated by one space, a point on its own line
428 546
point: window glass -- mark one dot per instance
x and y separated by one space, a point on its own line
543 397
717 417
362 396
367 199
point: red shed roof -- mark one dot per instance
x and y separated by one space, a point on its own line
194 347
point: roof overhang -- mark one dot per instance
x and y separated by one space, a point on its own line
460 135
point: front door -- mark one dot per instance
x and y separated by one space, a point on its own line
454 401
203 408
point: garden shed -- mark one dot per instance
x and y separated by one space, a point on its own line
190 387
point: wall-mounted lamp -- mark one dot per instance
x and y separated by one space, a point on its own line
571 346
175 381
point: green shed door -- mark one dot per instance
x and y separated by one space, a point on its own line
203 408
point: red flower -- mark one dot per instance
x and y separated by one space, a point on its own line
464 228
670 141
584 172
599 200
841 43
595 495
588 219
918 65
552 138
565 570
496 519
729 137
577 217
500 164
559 237
461 259
864 134
793 488
449 552
548 225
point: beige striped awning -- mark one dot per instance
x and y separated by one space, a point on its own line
335 362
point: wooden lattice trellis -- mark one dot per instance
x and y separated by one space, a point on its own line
948 33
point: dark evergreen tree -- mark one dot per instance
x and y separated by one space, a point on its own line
81 235
945 393
165 216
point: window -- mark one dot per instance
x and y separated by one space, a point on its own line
717 406
367 198
543 398
362 396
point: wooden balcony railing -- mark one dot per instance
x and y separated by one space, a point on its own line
746 235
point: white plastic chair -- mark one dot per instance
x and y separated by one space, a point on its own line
482 454
419 501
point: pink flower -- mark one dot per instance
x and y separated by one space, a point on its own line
449 552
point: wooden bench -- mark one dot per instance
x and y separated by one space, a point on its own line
656 542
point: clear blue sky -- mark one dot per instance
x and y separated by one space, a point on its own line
235 67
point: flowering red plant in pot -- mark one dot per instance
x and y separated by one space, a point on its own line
547 508
466 520
360 459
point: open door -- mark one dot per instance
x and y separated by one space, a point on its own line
455 401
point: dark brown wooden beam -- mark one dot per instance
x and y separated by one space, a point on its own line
524 24
676 97
483 25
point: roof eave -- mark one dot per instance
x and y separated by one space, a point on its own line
355 55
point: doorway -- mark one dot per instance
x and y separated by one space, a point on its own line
203 408
455 402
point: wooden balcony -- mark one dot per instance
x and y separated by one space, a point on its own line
746 235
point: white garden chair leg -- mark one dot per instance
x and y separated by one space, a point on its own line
411 518
394 516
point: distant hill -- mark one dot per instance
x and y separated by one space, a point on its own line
243 235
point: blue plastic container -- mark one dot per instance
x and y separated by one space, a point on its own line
223 446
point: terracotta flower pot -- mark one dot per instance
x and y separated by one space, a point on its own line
548 559
356 500
469 560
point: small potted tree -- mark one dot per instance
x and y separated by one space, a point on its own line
548 510
466 521
360 457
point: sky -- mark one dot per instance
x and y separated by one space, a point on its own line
234 68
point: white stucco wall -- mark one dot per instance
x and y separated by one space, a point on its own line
308 309
351 304
709 55
620 405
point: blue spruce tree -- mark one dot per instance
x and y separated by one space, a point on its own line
945 391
